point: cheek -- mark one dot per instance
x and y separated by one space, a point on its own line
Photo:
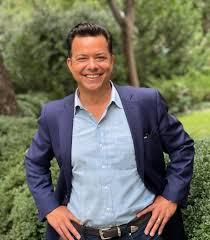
107 67
77 70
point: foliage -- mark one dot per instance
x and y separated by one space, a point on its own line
196 216
30 104
35 53
18 214
15 135
197 123
24 217
185 92
168 38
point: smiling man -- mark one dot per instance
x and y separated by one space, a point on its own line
109 142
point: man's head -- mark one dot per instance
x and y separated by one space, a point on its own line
88 29
90 57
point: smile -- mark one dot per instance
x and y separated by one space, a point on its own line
92 76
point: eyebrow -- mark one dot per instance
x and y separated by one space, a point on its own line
86 55
101 53
81 55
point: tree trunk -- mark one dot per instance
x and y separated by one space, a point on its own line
127 34
206 23
8 104
126 23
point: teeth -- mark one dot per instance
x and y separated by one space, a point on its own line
92 75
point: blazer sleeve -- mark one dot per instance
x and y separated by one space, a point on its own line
37 164
180 147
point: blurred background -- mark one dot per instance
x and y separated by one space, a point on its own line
163 44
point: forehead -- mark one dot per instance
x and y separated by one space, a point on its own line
89 44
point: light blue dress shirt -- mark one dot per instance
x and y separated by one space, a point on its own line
106 187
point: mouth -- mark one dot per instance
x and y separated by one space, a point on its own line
92 76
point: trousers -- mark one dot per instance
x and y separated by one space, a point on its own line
138 235
174 230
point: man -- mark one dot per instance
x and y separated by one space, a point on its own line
109 142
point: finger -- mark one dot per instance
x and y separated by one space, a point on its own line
60 232
146 210
165 220
66 232
156 226
73 218
151 223
72 229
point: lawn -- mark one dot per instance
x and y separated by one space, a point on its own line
197 123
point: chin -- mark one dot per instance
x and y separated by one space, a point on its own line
94 86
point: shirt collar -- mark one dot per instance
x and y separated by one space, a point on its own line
115 98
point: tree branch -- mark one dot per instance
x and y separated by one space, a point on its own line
129 8
129 15
116 12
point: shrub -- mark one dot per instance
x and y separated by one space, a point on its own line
18 214
30 103
196 216
24 217
15 135
186 92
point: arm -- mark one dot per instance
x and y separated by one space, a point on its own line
179 146
37 164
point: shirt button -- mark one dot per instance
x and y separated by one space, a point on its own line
108 209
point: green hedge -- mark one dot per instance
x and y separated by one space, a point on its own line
15 136
197 217
30 104
18 214
186 92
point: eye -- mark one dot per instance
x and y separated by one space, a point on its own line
81 59
100 58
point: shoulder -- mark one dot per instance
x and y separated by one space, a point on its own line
138 93
55 107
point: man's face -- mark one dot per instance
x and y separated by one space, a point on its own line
91 62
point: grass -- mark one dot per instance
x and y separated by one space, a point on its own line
197 124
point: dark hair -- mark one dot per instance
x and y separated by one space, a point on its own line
88 29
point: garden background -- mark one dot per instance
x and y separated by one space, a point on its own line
170 42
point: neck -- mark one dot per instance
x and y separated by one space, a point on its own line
98 97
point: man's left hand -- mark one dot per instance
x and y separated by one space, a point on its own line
162 210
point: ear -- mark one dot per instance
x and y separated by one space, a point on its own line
69 63
113 59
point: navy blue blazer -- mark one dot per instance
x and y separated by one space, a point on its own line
153 130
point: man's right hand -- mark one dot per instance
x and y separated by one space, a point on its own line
60 219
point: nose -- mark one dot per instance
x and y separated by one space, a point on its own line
92 65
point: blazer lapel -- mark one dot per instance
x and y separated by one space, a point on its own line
65 134
134 116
